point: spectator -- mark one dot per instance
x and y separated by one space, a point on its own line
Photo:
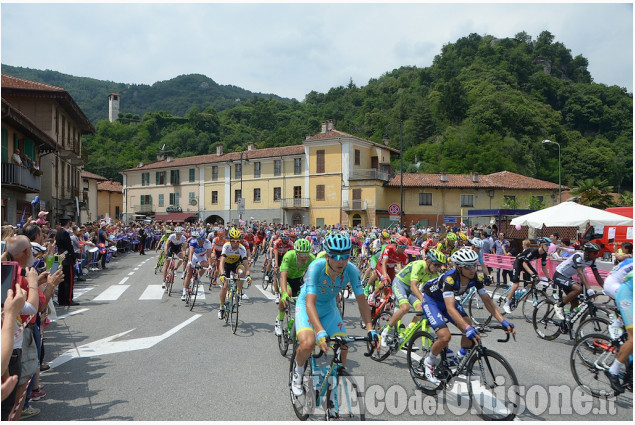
625 252
16 158
65 245
566 250
41 218
500 247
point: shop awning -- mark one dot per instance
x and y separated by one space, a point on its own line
174 217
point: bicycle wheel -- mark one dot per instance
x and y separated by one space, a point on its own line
546 325
478 313
344 400
590 357
418 349
499 294
341 303
212 273
492 386
592 325
234 311
529 302
256 254
194 284
229 304
303 405
170 281
283 340
379 323
265 282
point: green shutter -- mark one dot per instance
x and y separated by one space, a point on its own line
5 145
192 173
29 149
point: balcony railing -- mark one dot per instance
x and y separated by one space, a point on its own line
143 209
295 203
370 174
20 178
355 205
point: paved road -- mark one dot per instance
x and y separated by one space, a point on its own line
130 352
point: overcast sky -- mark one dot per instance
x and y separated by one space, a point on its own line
290 49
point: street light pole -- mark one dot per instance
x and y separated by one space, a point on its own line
386 139
544 142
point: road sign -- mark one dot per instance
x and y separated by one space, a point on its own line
449 219
241 204
394 218
394 209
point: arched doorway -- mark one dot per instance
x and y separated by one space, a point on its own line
212 219
357 219
297 219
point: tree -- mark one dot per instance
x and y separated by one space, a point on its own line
594 192
625 199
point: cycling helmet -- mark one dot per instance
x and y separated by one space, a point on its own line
543 241
167 232
464 257
285 236
293 235
451 236
437 257
373 236
337 244
302 246
591 246
234 234
402 240
462 236
195 234
179 229
385 235
220 233
477 242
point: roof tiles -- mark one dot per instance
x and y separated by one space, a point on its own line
500 180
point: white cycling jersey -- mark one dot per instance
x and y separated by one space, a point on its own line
570 266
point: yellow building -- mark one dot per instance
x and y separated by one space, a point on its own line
110 199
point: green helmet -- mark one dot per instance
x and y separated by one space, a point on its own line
302 246
451 236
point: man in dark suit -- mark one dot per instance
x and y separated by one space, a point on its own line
65 245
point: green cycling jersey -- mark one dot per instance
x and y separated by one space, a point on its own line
417 270
291 266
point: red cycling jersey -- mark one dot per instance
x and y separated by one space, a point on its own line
394 258
282 247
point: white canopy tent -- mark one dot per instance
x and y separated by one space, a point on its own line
570 214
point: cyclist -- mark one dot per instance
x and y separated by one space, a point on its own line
175 246
316 314
624 301
576 265
249 240
199 254
217 248
522 263
292 269
477 246
233 255
440 304
405 286
448 244
280 247
163 239
392 259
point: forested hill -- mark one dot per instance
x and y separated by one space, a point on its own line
176 96
484 105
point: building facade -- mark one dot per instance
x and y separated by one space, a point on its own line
109 199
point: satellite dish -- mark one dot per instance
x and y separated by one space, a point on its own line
193 202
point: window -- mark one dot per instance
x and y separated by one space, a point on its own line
358 157
146 200
320 161
297 192
256 195
214 197
425 199
191 196
509 201
192 174
257 166
174 177
238 171
467 200
297 166
277 167
160 177
174 199
277 193
145 178
540 198
237 195
161 200
319 192
215 173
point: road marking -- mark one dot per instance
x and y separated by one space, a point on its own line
113 293
108 346
152 292
123 280
73 313
266 292
130 274
135 269
78 292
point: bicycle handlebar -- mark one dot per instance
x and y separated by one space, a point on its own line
485 329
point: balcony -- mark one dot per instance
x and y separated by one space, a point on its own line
143 209
369 174
20 178
295 203
355 205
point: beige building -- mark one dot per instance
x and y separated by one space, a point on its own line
89 212
110 199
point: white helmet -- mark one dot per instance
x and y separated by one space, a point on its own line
179 229
464 257
477 242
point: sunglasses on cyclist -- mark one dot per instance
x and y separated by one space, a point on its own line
469 267
402 246
340 257
437 265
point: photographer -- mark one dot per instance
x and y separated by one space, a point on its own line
65 245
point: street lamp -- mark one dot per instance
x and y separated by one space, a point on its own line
544 142
386 139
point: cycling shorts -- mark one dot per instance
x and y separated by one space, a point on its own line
373 262
564 282
295 285
174 250
329 318
404 294
196 261
437 313
624 301
231 268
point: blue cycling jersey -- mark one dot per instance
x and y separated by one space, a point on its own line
318 282
449 285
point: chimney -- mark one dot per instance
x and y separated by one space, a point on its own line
251 147
140 165
444 178
329 125
323 126
474 177
219 150
169 159
160 157
307 137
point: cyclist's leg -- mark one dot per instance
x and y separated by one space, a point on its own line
402 293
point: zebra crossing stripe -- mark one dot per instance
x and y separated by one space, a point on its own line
152 292
112 294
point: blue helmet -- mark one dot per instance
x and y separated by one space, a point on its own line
338 244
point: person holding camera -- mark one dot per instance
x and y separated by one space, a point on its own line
65 245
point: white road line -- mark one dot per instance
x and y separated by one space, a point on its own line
123 280
152 292
267 293
113 293
78 292
135 269
73 313
130 274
